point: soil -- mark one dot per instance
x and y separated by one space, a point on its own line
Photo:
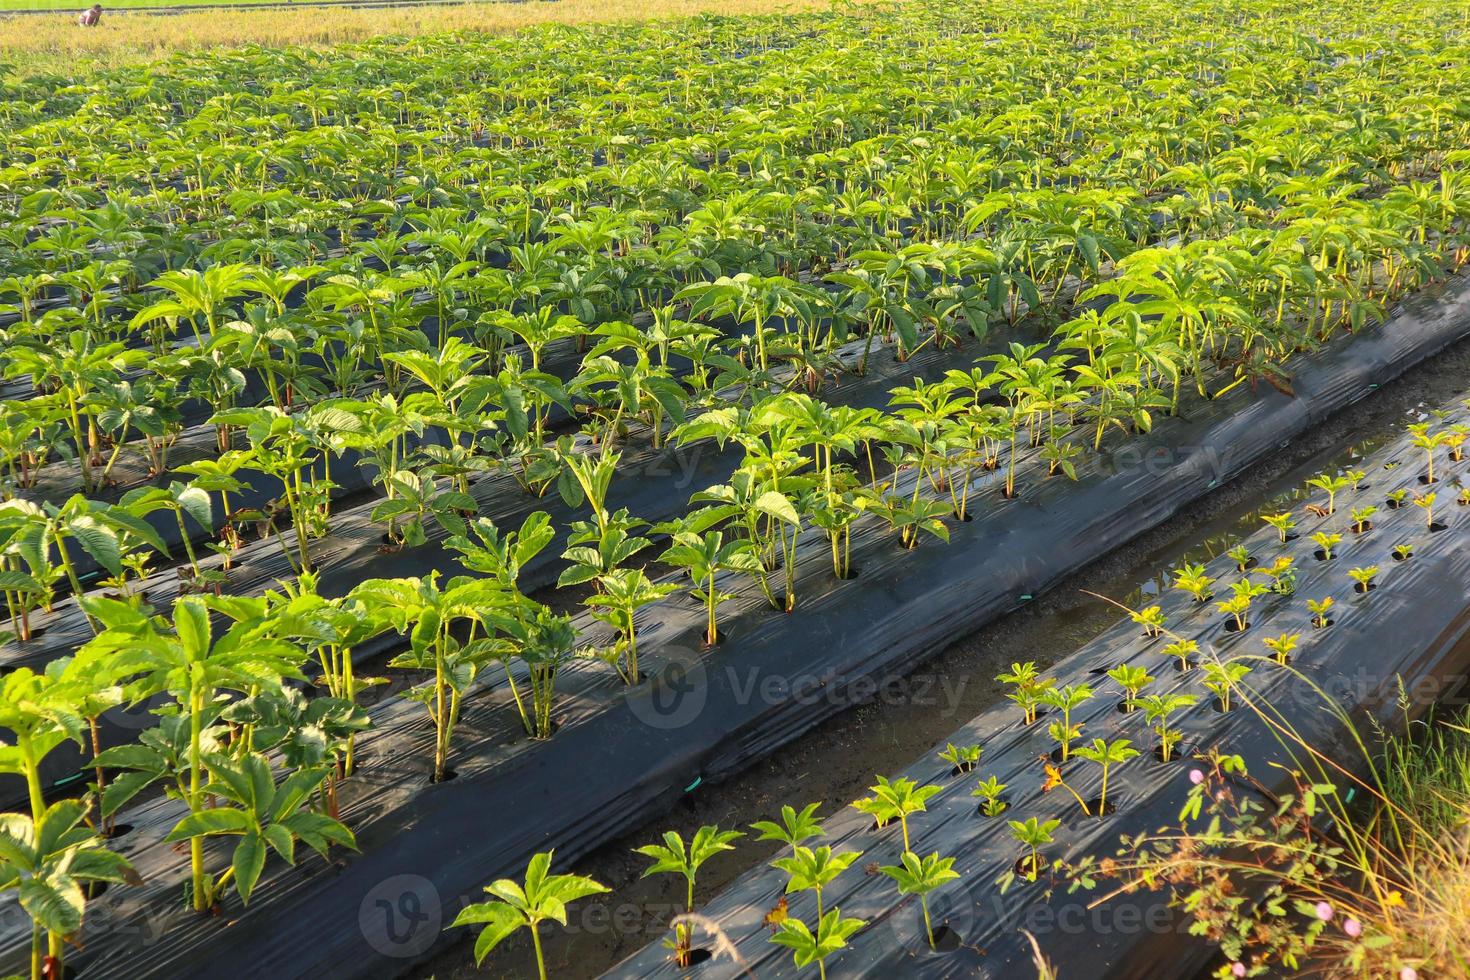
837 761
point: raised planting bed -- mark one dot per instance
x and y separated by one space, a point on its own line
654 483
1408 631
619 754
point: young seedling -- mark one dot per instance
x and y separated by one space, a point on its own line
1425 502
1364 576
1355 478
1156 711
920 876
1326 542
1107 754
1403 552
1184 651
1363 518
1238 606
813 870
1029 687
1192 579
1220 678
1397 497
674 857
1066 700
1033 835
990 789
1132 680
833 932
964 758
1330 485
543 896
1151 619
1319 609
1455 439
1420 436
703 556
1241 555
794 827
1282 576
1282 646
896 801
1283 523
1464 497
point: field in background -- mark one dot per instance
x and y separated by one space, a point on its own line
75 6
39 44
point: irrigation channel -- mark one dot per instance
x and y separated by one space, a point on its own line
837 761
1399 621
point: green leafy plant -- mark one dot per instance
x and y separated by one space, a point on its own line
673 856
1033 834
1131 679
990 791
543 896
1107 754
1028 686
1222 678
964 758
897 800
920 876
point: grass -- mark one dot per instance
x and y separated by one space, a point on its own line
39 44
74 7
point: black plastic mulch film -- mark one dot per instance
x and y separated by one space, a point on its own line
621 756
1412 627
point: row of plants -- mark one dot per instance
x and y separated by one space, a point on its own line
545 271
1275 881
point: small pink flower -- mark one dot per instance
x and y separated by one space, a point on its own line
1237 969
1408 973
1324 911
1196 777
1352 927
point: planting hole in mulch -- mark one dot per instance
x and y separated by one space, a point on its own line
1123 708
1363 588
1025 866
119 830
1095 809
853 571
1217 705
965 770
946 940
1231 626
449 776
697 956
1101 669
1426 481
1322 555
1182 666
35 635
1436 527
1363 527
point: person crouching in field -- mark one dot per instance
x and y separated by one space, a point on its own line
90 17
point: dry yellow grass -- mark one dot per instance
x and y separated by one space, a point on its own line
56 44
